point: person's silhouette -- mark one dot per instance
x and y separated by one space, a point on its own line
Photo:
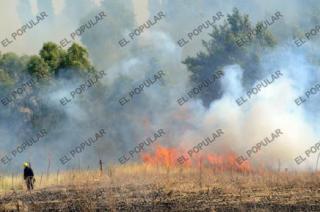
28 176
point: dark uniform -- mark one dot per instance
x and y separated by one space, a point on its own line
28 177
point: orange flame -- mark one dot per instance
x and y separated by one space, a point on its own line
162 157
168 157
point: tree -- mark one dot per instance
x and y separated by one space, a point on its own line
16 71
76 61
77 58
53 55
13 64
221 50
38 68
5 79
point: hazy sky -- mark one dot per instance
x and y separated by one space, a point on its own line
15 13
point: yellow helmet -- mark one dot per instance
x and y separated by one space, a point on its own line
25 164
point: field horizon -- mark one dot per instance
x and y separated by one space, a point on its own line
141 187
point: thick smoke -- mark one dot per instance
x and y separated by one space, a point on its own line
156 107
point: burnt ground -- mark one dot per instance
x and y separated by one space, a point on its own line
151 197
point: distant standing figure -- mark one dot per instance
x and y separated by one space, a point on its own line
28 176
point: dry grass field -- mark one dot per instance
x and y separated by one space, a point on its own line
156 188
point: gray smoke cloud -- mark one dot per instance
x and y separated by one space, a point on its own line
156 107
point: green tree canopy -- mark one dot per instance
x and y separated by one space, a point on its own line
53 55
51 61
37 67
77 58
75 61
5 79
13 64
221 50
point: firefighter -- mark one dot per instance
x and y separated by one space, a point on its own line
28 176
